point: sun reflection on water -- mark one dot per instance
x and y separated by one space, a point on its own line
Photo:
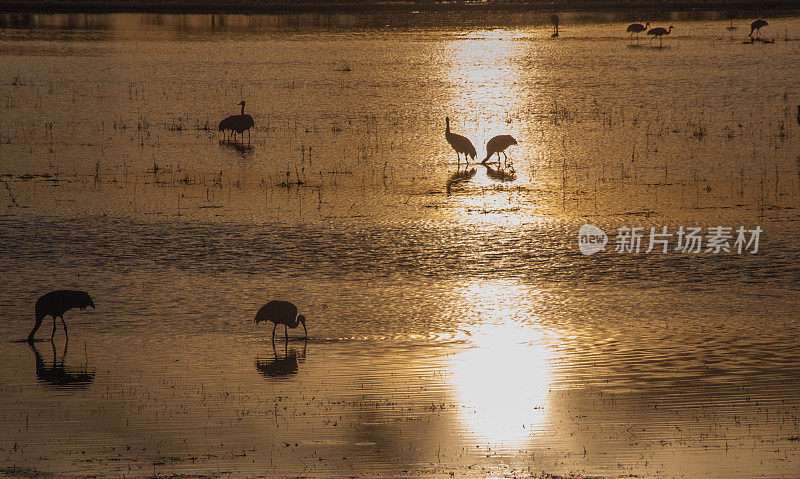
502 381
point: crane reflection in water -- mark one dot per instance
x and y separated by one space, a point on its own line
281 365
57 373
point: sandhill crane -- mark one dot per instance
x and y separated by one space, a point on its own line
498 145
281 312
459 143
659 32
637 28
554 21
732 15
756 26
55 304
237 124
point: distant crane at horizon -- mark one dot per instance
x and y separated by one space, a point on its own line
756 26
497 145
237 124
281 312
459 143
732 15
659 32
554 21
637 28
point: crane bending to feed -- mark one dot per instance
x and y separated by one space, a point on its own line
498 145
281 312
55 304
637 28
756 27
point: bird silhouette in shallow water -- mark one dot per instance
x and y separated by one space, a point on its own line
756 27
237 124
554 21
498 145
55 304
459 143
58 374
281 312
659 32
732 15
637 28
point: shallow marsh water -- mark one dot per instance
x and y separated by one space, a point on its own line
454 325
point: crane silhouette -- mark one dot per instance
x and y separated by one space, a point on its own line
732 15
281 312
554 21
55 304
498 145
659 32
756 27
237 124
459 143
637 28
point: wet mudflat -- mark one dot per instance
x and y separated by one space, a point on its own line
454 326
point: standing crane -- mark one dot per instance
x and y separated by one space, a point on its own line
459 143
554 21
659 32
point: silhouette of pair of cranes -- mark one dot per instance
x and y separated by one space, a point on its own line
658 32
56 303
461 144
237 124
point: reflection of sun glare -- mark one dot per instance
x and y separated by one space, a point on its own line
484 73
502 381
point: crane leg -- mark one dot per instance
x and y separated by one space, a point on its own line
54 328
273 331
66 335
285 332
